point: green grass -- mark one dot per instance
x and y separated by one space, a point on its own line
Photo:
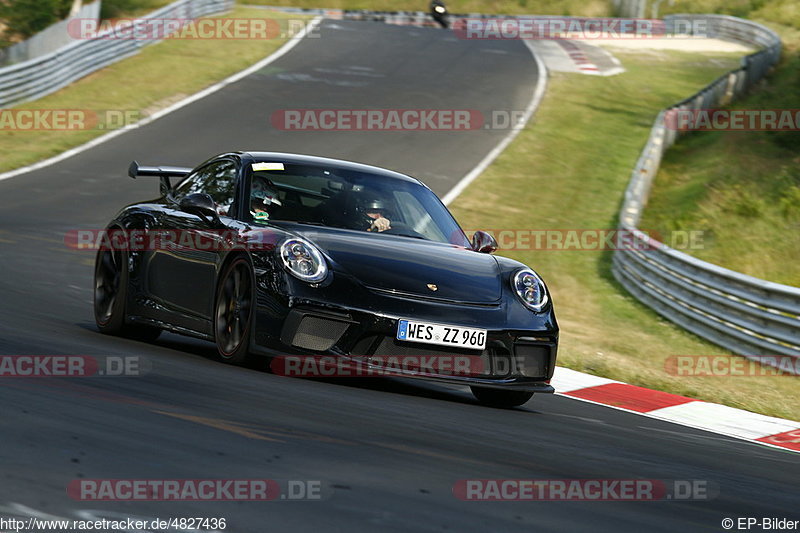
741 189
569 169
130 8
593 8
784 12
165 73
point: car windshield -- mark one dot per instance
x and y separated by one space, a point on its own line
343 198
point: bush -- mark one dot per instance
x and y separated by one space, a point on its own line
24 18
117 8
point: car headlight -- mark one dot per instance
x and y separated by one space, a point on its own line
530 289
303 260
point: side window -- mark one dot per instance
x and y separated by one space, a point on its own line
217 179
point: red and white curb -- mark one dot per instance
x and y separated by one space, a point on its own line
716 418
578 57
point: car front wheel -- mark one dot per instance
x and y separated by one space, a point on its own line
233 312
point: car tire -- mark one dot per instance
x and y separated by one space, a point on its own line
111 295
233 312
501 398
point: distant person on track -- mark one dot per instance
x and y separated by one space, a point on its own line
439 13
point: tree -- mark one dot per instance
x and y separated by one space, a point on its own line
24 18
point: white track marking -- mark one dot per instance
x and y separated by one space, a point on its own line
536 99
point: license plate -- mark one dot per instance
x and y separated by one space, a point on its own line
441 334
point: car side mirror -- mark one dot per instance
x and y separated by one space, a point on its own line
200 204
483 242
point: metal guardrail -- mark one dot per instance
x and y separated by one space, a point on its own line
43 75
747 315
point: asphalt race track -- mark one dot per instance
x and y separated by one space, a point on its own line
388 452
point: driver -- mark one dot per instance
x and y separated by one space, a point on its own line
375 212
263 198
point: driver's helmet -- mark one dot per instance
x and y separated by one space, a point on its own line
373 205
368 205
263 195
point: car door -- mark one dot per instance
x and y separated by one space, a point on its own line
181 274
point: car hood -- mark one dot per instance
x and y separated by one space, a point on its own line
407 265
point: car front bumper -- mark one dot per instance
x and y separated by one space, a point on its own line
520 352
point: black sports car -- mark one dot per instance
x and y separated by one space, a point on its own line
289 255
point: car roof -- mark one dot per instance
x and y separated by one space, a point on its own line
340 164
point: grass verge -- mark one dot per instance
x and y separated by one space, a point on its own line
165 73
568 170
784 12
741 189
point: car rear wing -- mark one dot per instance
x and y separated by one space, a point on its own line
164 172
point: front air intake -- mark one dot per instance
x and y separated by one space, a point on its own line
313 332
